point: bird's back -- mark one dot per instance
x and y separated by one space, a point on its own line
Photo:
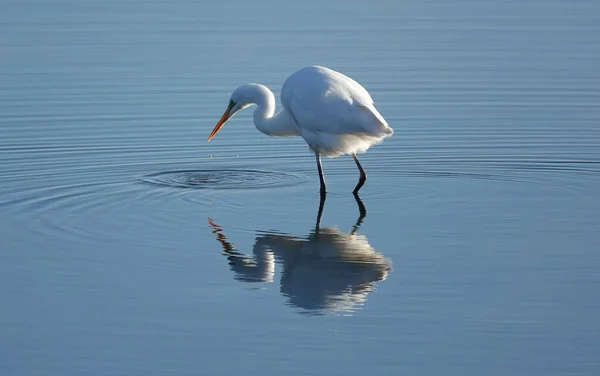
335 114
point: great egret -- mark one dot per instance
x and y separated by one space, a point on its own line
333 113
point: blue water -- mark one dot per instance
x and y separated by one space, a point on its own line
131 246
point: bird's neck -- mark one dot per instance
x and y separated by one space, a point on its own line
265 118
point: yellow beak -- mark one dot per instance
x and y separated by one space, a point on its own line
222 120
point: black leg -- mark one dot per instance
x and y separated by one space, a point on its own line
323 187
363 175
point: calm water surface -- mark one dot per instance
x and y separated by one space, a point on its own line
131 246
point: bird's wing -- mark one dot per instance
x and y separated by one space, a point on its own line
332 103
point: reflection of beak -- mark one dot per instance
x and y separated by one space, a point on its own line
226 115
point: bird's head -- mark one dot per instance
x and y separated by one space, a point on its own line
242 97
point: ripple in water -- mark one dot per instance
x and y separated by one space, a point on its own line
222 179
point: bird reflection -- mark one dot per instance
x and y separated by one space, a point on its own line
326 272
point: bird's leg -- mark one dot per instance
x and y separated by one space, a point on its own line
320 168
363 175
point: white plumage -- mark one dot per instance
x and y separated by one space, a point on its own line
333 113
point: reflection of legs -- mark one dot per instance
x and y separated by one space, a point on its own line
362 213
320 212
363 175
320 168
361 216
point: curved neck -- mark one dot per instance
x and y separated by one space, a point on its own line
265 101
265 118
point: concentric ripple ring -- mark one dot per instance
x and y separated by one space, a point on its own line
222 179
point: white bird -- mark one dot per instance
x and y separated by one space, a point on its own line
333 113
